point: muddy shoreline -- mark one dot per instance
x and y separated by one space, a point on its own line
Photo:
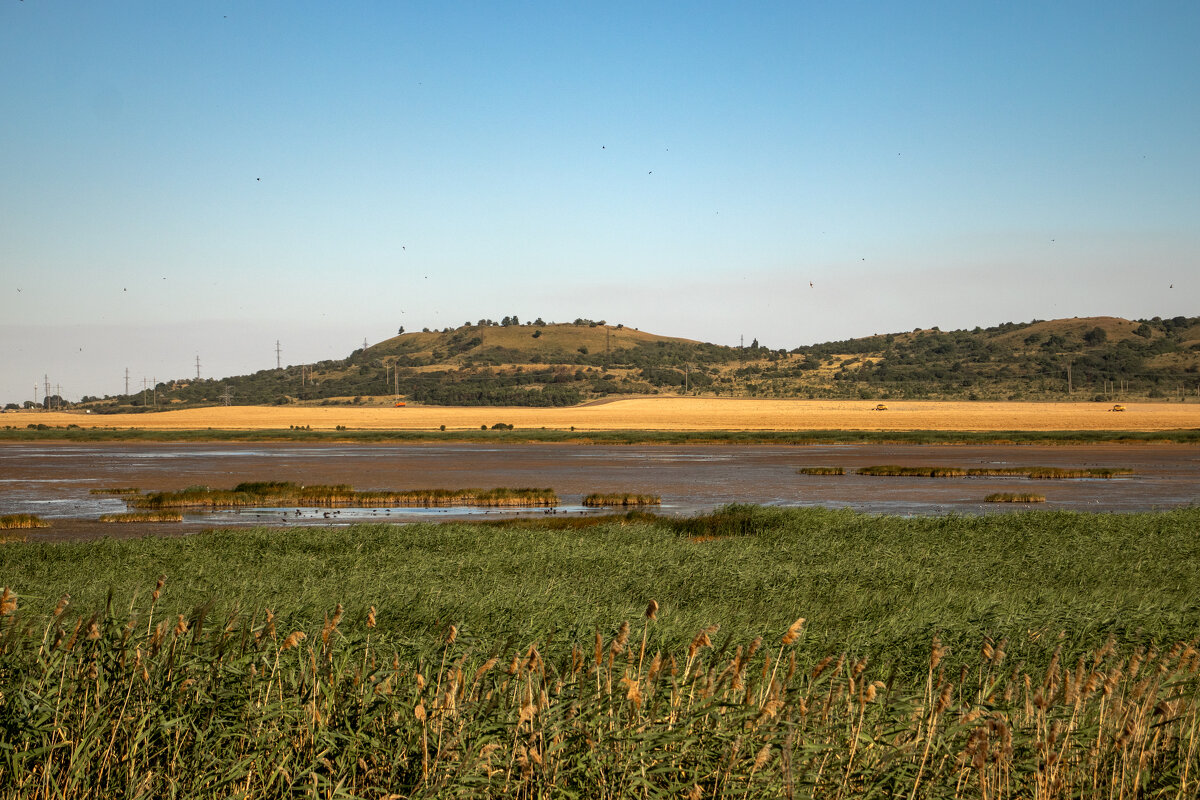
54 480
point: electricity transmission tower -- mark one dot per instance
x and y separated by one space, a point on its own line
197 367
278 363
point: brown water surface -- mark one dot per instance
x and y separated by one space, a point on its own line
54 480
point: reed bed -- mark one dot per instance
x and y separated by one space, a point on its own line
279 493
597 499
821 471
895 470
116 490
143 516
1049 473
142 702
22 521
1040 473
1014 497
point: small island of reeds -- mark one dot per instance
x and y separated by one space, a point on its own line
143 516
1037 473
621 499
18 521
897 471
115 490
1014 497
1048 473
821 471
280 493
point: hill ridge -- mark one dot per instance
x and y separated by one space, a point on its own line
554 364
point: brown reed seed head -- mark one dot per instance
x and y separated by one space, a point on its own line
622 636
293 639
63 602
599 654
652 610
821 666
181 625
371 617
943 701
936 652
793 631
655 667
764 755
8 601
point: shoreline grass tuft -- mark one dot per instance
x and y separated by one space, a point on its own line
143 516
22 521
597 499
1014 497
821 471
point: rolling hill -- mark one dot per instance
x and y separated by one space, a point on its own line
555 364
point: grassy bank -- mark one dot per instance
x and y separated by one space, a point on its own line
517 436
114 705
521 658
879 586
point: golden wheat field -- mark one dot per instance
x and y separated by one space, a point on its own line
664 414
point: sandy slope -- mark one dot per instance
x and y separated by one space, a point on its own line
664 413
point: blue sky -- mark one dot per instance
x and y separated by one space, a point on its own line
205 178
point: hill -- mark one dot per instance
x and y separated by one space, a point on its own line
556 364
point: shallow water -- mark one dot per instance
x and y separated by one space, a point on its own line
53 480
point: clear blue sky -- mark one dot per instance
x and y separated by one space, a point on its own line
205 178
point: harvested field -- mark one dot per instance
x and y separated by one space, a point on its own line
663 414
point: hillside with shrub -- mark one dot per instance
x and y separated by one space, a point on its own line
557 364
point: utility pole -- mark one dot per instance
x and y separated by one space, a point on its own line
46 378
35 394
197 367
127 381
364 343
226 395
278 362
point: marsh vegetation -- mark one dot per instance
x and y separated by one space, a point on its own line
597 499
22 521
272 663
284 493
143 516
1014 497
